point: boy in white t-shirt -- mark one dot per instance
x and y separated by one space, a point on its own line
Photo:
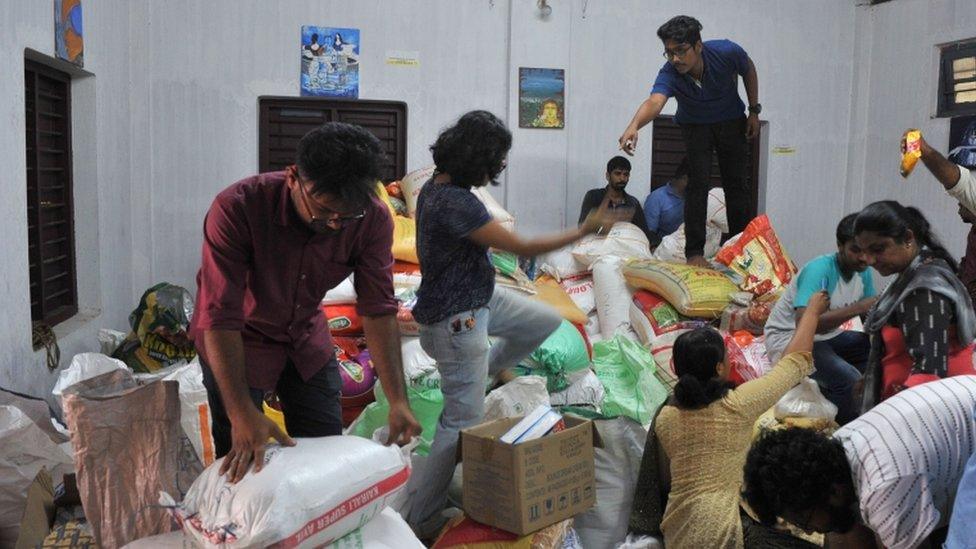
838 354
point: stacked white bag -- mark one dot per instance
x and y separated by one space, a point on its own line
672 246
308 495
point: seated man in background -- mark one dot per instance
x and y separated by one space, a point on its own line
888 477
664 208
618 175
838 355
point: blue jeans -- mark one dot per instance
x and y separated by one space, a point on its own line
464 358
962 524
840 362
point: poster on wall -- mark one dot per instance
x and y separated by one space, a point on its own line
542 98
962 141
69 42
330 62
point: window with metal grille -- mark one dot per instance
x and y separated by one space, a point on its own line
50 215
284 120
957 79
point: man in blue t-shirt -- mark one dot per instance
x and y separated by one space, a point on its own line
664 208
704 78
839 354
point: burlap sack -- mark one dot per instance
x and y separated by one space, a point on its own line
128 447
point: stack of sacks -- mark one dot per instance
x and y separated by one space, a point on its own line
355 362
605 256
411 184
672 246
463 533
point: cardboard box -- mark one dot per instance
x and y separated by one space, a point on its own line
525 487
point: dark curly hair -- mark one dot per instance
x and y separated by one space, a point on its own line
473 150
792 470
696 353
682 29
342 160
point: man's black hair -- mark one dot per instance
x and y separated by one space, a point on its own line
342 160
682 170
845 229
793 470
618 163
473 150
682 29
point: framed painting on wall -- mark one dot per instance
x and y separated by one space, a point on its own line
69 42
330 62
542 98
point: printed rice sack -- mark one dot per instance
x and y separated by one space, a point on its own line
299 499
693 291
581 291
551 293
463 533
651 316
662 349
404 230
343 319
411 184
495 209
624 240
758 259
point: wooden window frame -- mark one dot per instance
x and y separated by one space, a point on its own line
326 109
36 208
949 53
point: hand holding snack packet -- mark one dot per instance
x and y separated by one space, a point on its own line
911 151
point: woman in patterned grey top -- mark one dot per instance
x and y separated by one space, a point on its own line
458 305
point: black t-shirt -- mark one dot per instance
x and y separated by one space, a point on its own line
458 275
594 198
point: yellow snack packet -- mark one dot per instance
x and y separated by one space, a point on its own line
911 151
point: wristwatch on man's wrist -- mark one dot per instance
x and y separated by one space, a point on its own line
755 109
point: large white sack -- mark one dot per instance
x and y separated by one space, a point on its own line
617 466
624 240
581 291
411 184
495 209
561 264
345 292
516 398
86 366
416 362
307 495
805 400
613 297
672 246
24 450
387 530
194 406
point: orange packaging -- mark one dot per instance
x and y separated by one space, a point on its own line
911 151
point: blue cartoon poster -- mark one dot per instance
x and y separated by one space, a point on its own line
330 62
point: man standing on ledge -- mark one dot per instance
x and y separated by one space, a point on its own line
703 77
273 245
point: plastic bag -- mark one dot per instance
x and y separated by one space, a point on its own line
624 241
612 295
25 449
693 291
641 542
617 466
298 499
627 372
562 353
806 401
425 402
747 356
416 362
758 259
86 366
516 398
751 317
586 391
158 338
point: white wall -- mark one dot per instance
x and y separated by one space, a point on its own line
897 89
170 116
101 152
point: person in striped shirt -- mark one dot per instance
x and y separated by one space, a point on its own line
886 479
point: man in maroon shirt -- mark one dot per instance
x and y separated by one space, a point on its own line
274 244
